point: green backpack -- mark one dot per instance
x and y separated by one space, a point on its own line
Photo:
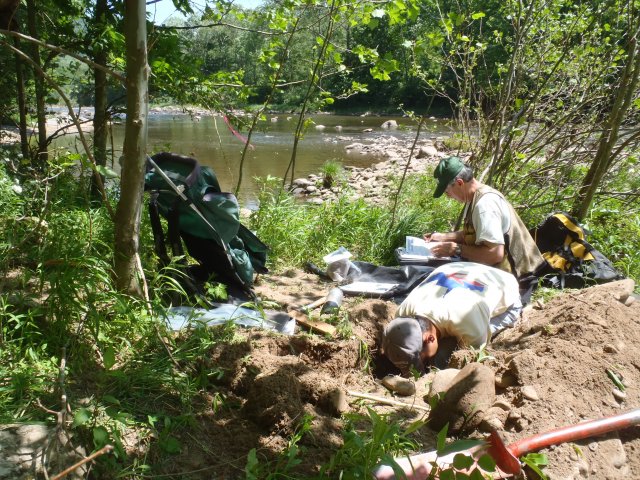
206 219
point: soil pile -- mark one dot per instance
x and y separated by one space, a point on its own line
551 370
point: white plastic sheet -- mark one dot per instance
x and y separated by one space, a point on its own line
185 317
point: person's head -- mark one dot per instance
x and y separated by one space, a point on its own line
452 176
409 342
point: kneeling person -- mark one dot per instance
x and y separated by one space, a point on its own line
463 302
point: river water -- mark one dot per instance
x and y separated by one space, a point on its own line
211 142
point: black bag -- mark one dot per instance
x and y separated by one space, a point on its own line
571 261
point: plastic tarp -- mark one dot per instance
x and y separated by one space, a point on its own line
401 280
179 318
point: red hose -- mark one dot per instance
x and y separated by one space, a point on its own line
579 431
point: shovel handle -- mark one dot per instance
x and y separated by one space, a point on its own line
312 305
579 431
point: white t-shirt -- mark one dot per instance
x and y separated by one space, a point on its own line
460 299
491 219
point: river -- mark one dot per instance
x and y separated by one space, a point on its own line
211 142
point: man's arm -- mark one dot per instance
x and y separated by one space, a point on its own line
456 237
486 253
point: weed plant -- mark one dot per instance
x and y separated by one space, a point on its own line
369 441
299 232
332 172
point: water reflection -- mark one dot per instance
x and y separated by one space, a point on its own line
209 140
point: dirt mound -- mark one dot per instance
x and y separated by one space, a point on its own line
553 369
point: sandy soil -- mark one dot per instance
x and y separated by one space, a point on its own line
550 371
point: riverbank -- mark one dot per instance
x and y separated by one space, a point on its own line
374 183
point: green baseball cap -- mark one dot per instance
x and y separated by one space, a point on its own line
445 173
402 344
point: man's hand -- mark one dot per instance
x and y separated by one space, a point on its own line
434 237
444 249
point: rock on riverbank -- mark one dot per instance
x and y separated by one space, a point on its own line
373 183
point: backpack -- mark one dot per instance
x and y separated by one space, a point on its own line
206 219
571 260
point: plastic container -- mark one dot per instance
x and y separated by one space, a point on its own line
338 264
333 302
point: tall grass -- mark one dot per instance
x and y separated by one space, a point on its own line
298 232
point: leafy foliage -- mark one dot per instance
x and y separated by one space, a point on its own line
366 447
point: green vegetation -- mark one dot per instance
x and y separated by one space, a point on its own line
332 172
368 442
59 308
542 94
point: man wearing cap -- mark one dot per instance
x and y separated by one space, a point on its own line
458 303
492 233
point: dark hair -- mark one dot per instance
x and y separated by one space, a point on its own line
466 174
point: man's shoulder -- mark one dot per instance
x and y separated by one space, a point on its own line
492 200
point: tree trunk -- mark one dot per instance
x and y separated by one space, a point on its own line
22 104
127 228
42 155
100 104
602 161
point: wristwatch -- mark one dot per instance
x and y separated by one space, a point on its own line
458 251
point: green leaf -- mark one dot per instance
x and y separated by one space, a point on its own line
414 427
446 475
106 172
476 474
391 461
110 399
460 446
462 461
534 461
81 417
486 463
441 439
251 468
171 445
615 379
100 437
109 357
478 15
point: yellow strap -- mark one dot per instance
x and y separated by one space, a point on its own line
556 261
570 225
580 251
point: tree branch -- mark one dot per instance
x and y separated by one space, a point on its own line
116 75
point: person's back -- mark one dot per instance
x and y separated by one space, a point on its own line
460 298
459 302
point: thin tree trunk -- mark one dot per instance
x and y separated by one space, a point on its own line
22 103
42 155
127 227
100 103
315 75
603 159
